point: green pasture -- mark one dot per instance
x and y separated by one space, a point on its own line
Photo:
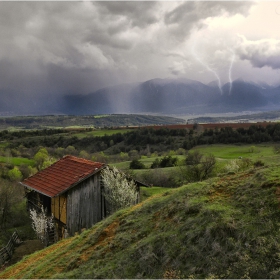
17 160
101 132
101 116
224 154
236 151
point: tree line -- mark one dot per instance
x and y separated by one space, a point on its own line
152 140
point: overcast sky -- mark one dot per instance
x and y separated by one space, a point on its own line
79 47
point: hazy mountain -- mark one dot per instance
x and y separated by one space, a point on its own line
241 95
167 96
158 96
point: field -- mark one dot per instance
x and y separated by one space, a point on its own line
17 161
212 217
100 132
226 227
214 125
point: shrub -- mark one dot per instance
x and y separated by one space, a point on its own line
167 161
258 163
136 164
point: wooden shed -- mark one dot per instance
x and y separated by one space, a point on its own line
72 191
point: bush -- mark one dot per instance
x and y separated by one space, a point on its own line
167 161
199 167
136 164
157 177
258 163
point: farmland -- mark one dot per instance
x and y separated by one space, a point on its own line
164 152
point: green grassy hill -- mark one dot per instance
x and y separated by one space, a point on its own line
225 227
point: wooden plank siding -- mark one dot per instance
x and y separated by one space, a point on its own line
58 208
84 205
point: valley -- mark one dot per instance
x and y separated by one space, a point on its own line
187 225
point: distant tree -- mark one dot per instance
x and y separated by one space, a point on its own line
155 163
199 167
100 157
15 174
167 161
133 154
59 152
84 154
70 150
193 158
10 195
136 164
25 170
124 156
40 157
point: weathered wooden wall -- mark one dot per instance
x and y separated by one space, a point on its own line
59 208
84 205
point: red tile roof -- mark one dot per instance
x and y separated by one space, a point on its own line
62 175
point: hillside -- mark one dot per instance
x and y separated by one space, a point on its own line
253 117
64 121
225 227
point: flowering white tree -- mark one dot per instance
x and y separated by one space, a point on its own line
41 223
118 190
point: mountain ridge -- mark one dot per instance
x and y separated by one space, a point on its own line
156 96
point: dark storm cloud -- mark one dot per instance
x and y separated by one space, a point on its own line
138 14
79 47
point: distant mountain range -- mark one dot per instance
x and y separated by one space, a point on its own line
157 96
166 96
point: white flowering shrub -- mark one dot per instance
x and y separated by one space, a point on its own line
41 223
118 190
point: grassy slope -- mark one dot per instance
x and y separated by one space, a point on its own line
225 227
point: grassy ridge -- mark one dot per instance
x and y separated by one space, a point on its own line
225 227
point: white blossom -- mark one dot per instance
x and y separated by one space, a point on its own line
119 191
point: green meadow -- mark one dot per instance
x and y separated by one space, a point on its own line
17 160
100 132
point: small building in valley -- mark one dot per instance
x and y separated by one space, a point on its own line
71 190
